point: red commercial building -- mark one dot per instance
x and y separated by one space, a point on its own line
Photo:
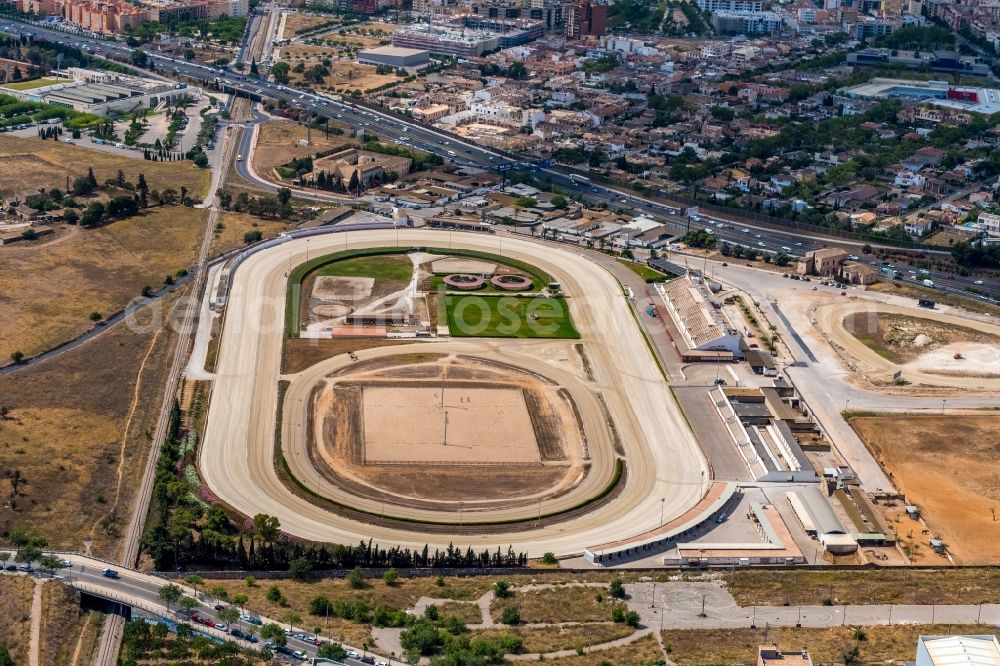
585 19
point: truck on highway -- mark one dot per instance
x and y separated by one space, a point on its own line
576 179
929 283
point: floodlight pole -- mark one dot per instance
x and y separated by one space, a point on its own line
446 428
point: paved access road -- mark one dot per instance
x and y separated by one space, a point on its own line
236 455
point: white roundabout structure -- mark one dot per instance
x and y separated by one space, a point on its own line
666 473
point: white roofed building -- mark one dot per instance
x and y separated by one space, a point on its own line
958 651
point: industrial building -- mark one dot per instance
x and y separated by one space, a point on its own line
948 62
958 651
105 93
939 93
395 56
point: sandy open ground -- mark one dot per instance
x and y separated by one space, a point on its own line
484 425
830 320
664 463
377 428
949 466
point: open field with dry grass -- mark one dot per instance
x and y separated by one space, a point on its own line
300 21
234 225
826 646
559 604
301 353
77 432
642 652
278 143
63 625
553 639
466 611
29 163
877 586
15 615
345 72
949 466
49 292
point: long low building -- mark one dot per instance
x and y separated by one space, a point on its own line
973 99
104 93
395 56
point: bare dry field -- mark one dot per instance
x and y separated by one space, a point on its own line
466 611
949 466
484 425
278 143
29 163
50 291
301 353
642 652
380 426
404 594
903 339
826 646
559 604
874 586
63 626
77 433
234 225
300 21
345 72
570 637
15 615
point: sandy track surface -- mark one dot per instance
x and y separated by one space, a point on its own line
663 458
830 319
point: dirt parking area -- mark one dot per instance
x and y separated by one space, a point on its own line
949 466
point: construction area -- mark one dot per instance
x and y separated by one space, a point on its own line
945 465
893 345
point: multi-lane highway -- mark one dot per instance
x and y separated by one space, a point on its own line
141 592
466 153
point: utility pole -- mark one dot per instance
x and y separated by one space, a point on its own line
446 427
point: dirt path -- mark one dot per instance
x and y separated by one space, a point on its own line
485 602
120 472
35 643
618 642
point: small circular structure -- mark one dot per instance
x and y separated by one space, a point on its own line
464 281
511 282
